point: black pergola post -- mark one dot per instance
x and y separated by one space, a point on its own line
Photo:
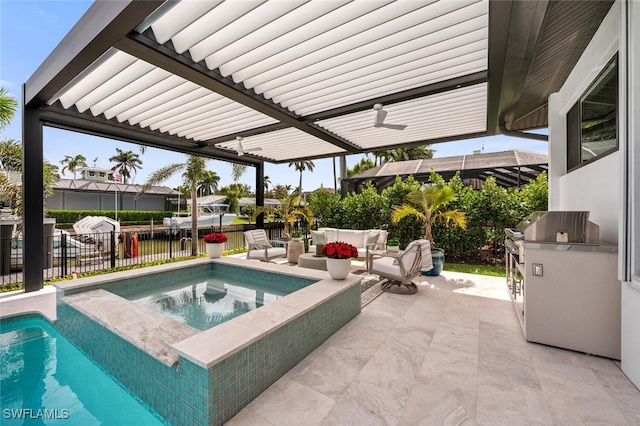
260 192
32 201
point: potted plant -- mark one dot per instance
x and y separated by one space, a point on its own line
393 245
215 244
430 205
339 256
296 236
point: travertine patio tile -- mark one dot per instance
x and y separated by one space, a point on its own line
457 337
574 402
445 364
295 404
435 402
502 402
364 403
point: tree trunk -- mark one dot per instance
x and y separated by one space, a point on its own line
335 177
343 176
194 222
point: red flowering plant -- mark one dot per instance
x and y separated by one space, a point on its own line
215 237
339 250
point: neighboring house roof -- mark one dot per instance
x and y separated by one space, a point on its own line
510 168
109 186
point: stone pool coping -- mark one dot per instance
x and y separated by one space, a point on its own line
208 347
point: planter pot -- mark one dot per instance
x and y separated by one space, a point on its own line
393 249
437 255
319 250
338 269
214 250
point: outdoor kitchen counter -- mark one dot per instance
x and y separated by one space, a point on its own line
602 247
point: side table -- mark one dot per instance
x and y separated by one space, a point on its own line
311 261
294 250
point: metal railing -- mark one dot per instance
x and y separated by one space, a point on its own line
66 253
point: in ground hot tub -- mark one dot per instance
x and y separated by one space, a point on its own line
195 377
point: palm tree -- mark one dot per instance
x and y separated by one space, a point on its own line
301 166
73 163
10 155
8 107
267 182
429 206
237 170
127 162
209 183
193 172
234 192
289 210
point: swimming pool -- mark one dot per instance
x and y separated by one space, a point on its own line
193 377
44 378
208 299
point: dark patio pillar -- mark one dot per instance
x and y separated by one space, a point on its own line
32 201
260 192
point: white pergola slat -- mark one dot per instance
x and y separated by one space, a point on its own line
304 75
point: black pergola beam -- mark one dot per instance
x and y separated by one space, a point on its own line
32 199
70 119
97 31
163 57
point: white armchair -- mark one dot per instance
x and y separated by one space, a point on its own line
260 248
401 269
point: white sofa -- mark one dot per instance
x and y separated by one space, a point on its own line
356 237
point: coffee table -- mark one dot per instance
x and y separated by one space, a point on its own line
310 261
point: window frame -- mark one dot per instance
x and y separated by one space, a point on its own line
574 122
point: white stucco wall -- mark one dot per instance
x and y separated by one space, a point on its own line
598 187
630 53
595 188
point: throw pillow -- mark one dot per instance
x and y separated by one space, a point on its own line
318 237
372 238
330 235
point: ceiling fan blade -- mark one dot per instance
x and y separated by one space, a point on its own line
380 116
253 149
393 126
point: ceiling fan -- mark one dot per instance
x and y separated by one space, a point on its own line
381 114
240 150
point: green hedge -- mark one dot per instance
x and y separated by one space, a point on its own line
125 217
488 210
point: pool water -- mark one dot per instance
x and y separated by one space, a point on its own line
208 299
44 379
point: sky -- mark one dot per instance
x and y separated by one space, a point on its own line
30 30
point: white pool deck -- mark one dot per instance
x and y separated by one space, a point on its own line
451 354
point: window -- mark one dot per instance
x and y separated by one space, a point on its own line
592 123
92 174
101 174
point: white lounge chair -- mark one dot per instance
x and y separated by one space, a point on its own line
259 247
400 269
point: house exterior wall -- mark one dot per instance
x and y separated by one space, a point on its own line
599 187
76 200
630 52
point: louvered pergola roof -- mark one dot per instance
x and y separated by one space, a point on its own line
296 78
299 78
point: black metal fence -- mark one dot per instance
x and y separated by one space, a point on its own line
66 253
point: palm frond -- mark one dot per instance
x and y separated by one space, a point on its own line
160 176
406 210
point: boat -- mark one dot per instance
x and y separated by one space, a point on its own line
209 215
64 246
